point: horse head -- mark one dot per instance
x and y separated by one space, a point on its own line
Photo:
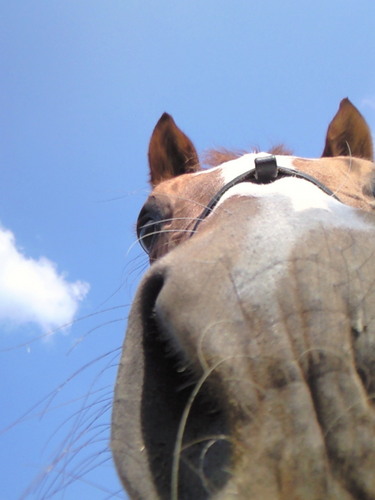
248 367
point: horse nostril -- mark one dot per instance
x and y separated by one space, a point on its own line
150 294
160 328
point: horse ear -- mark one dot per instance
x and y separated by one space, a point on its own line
171 152
348 134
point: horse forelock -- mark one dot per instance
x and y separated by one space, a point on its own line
215 157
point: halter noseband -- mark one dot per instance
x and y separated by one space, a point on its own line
264 172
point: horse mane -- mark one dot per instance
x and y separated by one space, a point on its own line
215 157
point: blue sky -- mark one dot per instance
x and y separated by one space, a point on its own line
82 85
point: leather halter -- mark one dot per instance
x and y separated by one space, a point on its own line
264 172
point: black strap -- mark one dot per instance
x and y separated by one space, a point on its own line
264 172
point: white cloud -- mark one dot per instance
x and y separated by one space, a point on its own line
32 291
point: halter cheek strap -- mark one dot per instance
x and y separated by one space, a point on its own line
264 172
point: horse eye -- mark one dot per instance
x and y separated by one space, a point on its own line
148 228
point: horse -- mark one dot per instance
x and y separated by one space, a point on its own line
248 366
